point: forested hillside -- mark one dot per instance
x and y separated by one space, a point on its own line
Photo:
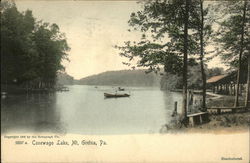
64 79
123 78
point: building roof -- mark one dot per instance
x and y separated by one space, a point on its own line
229 78
214 79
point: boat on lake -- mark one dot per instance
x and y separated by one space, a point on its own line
121 89
109 95
3 94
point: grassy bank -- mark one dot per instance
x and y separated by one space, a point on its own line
218 124
224 101
225 123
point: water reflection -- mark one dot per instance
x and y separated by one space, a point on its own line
84 110
30 113
169 100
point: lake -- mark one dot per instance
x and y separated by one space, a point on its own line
84 110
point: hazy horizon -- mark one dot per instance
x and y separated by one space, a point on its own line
92 30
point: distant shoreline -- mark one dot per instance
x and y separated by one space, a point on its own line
15 89
101 85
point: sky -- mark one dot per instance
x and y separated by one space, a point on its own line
92 30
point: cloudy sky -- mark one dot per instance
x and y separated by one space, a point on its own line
92 29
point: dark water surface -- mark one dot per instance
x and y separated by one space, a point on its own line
84 110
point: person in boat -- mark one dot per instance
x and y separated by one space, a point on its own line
121 89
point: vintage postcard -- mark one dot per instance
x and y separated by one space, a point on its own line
125 81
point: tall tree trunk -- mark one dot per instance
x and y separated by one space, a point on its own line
247 100
203 74
236 102
185 58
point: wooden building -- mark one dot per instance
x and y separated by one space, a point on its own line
226 84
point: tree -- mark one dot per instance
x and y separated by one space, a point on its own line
17 47
203 24
233 37
31 51
247 100
170 31
202 56
164 27
52 47
185 57
215 71
242 32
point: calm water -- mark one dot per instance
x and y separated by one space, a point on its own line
84 110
